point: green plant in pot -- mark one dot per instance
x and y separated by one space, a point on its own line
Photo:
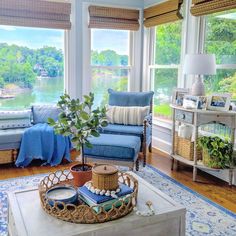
79 121
217 152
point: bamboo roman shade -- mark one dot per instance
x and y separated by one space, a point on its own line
162 13
113 18
205 7
35 13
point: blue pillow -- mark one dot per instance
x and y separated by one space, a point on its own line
41 113
129 98
15 119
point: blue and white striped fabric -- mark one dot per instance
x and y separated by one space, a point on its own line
15 119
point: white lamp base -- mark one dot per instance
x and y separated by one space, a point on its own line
198 88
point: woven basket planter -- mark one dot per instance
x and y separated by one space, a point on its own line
185 148
206 159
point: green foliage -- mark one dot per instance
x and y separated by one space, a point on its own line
163 110
168 43
229 85
108 58
78 120
219 151
2 82
221 41
21 65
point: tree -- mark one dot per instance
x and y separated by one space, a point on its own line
21 65
229 85
2 82
221 41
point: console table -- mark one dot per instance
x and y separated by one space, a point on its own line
196 118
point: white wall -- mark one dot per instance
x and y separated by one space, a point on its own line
76 43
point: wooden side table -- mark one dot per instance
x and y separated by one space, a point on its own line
196 118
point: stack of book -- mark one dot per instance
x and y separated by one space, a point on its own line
98 201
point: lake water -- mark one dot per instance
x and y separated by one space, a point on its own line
45 90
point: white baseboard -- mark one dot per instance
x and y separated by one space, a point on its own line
161 144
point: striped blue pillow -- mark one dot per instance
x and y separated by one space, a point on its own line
15 119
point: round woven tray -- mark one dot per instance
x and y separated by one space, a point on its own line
83 213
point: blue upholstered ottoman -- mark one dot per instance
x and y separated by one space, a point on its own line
114 149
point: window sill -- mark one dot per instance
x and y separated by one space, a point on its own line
162 123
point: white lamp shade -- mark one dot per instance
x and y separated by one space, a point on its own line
199 64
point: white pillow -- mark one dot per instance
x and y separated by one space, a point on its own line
127 115
15 119
20 114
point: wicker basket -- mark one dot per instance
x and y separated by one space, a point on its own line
8 156
82 213
206 160
105 177
185 148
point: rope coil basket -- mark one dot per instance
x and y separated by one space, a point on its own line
83 213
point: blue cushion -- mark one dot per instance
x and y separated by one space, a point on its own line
10 138
123 129
41 113
114 147
129 98
136 130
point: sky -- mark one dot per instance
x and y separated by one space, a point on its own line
31 37
117 40
34 38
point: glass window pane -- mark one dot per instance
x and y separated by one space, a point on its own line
103 79
224 81
221 36
31 66
168 43
164 81
109 47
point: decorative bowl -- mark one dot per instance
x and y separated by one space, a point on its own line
67 195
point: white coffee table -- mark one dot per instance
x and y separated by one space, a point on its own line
27 218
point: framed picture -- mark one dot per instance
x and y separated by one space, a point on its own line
178 96
190 102
219 102
202 102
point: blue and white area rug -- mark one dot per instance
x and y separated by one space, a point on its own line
203 216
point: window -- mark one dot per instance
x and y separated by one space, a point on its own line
220 39
31 66
110 62
165 66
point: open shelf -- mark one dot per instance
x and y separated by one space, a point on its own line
182 159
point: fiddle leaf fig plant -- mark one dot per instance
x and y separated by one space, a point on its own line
79 121
219 152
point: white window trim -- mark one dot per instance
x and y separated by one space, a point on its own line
190 43
134 68
130 67
166 123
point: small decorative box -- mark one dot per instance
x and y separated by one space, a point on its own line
105 177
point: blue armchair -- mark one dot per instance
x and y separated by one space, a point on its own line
144 131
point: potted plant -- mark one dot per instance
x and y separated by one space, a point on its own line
217 152
79 121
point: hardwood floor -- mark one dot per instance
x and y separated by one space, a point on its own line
207 185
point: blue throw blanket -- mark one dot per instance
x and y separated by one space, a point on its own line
40 142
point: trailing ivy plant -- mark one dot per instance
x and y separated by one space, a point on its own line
219 151
79 121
